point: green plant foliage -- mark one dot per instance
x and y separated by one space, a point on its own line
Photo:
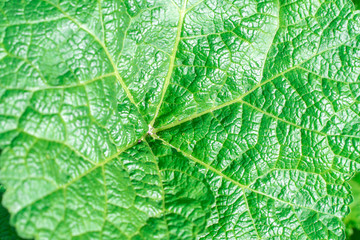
179 119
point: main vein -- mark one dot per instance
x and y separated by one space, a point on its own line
85 173
257 86
182 13
224 176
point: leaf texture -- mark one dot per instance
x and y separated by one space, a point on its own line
179 119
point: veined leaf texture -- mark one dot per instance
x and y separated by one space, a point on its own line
179 119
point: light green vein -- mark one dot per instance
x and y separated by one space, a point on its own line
34 89
64 186
219 173
282 120
236 100
81 26
257 86
250 215
161 185
182 13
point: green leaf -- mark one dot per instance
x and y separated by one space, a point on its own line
179 119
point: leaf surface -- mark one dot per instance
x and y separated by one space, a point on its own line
179 119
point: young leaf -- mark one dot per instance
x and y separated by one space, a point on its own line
179 119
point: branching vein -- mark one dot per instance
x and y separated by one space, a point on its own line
182 13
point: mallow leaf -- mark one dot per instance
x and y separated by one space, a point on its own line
179 119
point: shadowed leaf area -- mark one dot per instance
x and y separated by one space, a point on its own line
352 221
357 4
6 231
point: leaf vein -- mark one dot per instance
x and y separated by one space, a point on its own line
81 26
182 14
219 173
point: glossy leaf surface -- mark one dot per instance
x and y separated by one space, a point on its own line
179 119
